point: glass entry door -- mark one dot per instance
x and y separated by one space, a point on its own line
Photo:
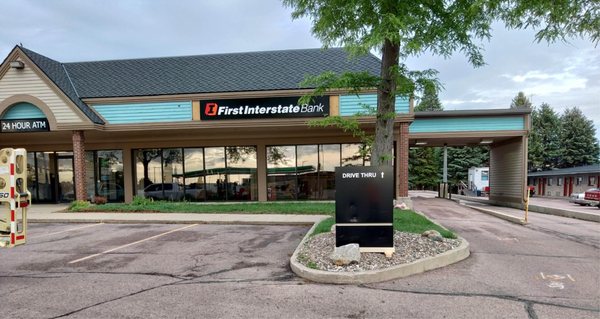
66 181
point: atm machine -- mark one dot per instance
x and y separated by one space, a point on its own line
14 197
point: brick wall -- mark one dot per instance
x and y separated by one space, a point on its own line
79 165
402 161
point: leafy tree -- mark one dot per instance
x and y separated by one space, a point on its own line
399 29
520 101
578 137
146 156
544 141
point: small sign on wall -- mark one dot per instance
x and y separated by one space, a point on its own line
364 207
24 125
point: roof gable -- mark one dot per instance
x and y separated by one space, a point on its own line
55 71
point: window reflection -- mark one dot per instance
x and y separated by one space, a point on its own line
148 171
31 176
110 175
329 159
45 177
281 173
308 177
194 174
241 173
214 159
308 171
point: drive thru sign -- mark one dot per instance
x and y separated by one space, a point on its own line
364 207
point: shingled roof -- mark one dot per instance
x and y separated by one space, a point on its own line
231 72
586 169
55 71
214 73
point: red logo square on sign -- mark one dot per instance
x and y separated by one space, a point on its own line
211 109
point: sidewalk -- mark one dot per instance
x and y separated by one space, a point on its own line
47 213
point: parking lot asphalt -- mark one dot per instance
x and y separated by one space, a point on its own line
227 271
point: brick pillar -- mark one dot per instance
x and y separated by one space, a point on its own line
402 166
79 165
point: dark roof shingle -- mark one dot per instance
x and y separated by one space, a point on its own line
232 72
586 169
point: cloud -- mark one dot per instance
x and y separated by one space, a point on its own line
560 74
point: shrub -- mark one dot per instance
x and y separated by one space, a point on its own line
79 205
100 200
141 201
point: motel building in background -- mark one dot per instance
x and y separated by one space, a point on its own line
219 127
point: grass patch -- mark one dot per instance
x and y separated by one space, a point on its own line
79 204
411 222
404 220
324 226
145 205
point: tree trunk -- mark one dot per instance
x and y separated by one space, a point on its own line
381 152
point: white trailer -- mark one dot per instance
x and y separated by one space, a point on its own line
479 178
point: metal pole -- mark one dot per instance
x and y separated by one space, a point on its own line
527 205
445 176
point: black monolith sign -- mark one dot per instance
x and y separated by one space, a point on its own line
364 206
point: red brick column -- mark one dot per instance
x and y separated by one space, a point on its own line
402 161
79 165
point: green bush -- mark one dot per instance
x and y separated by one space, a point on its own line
77 205
141 201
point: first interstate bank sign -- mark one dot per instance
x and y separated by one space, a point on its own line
24 125
263 108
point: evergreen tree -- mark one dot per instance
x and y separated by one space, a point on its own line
430 100
424 163
424 168
520 101
578 138
544 141
460 159
535 148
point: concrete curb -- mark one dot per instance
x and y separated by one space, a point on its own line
507 217
372 276
536 208
211 222
565 213
174 218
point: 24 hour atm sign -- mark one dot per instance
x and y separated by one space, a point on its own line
265 108
26 125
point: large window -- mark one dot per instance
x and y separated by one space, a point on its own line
197 174
104 174
281 172
50 175
308 171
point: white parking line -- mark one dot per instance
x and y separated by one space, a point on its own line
64 231
130 244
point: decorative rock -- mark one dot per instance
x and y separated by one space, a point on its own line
401 206
332 229
346 255
433 235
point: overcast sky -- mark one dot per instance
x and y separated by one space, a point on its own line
562 75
